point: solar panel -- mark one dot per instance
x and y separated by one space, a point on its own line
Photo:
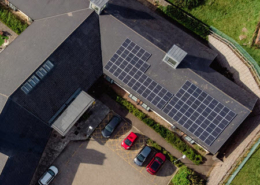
130 52
199 113
129 64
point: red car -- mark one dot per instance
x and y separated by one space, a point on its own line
129 140
155 163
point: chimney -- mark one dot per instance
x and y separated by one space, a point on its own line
174 56
98 5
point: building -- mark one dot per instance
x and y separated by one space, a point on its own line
48 69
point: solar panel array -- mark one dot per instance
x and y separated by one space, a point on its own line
128 65
199 113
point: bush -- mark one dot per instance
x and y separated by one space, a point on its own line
183 18
186 176
12 21
169 136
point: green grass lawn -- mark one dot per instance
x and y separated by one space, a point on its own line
230 17
250 173
2 39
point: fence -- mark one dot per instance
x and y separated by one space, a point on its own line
240 51
243 163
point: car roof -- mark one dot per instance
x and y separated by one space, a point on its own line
114 121
132 136
146 150
45 178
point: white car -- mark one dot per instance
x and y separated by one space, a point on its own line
48 176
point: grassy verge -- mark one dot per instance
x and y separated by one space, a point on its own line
231 17
169 136
14 23
186 176
249 174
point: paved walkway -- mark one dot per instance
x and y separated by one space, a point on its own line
251 127
235 65
203 169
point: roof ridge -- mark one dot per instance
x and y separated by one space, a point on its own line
61 14
218 88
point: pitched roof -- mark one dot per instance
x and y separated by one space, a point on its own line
33 47
39 9
194 68
77 64
23 139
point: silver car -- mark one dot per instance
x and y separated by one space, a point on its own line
141 157
48 176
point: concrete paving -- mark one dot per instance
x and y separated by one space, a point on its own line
8 32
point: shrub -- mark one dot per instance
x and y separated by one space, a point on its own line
12 21
186 176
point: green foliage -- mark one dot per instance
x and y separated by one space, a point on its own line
186 176
183 18
187 3
169 136
12 21
2 39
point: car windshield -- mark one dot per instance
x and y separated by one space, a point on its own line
128 142
109 128
51 172
155 165
159 159
140 157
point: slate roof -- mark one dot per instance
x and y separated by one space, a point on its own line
33 47
77 64
194 68
39 9
23 139
79 42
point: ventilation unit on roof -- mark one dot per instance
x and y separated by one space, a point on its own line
174 56
98 5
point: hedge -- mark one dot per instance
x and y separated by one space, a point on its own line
12 21
186 176
167 154
169 136
183 18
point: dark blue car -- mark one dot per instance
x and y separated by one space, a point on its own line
111 126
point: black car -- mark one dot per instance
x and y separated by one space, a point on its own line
110 127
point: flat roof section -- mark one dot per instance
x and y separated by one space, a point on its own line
72 113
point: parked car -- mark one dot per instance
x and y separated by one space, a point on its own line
48 176
141 157
129 141
110 127
155 163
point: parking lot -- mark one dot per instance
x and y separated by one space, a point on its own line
104 161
